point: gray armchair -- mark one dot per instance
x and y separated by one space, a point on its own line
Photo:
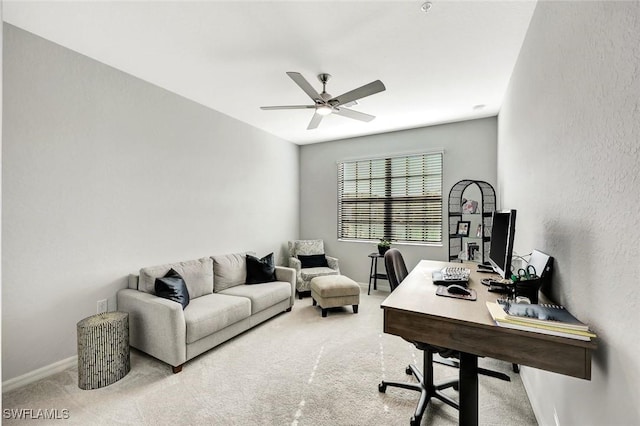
304 275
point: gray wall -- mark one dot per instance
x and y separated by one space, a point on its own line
469 152
1 91
569 161
103 174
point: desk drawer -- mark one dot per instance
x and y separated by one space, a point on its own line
560 355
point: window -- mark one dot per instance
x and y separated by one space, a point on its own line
396 198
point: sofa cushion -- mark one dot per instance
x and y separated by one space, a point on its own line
309 273
197 274
213 312
262 296
260 270
172 287
229 270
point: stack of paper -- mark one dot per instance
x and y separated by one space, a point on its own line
553 327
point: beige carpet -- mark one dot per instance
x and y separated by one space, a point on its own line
295 369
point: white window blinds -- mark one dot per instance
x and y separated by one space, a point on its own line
396 198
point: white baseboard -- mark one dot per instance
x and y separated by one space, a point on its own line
527 388
38 374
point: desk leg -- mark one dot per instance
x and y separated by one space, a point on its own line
468 390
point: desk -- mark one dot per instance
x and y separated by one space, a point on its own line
414 312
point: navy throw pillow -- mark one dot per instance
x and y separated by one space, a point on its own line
172 287
312 260
260 270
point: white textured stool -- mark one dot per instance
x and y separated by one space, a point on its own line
103 349
330 291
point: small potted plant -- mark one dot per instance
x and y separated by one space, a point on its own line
383 246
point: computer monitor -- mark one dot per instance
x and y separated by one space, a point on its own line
503 229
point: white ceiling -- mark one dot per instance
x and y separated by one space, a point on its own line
232 56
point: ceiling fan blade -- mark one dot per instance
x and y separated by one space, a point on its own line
315 121
356 115
288 107
304 85
359 93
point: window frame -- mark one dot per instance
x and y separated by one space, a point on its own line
388 201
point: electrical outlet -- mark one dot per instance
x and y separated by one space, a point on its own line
102 306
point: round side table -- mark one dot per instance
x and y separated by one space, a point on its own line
103 349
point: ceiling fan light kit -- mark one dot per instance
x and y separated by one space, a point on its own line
325 104
324 109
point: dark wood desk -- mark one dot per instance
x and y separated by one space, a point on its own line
414 312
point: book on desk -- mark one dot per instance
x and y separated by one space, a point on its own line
545 314
550 327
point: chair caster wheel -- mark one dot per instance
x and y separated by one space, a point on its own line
382 388
408 370
414 421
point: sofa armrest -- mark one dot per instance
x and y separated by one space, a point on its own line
287 275
156 325
333 263
295 264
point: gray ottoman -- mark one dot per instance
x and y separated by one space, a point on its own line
330 291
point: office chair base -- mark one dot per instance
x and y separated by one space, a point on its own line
425 386
409 371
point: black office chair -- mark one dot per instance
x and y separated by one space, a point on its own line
397 272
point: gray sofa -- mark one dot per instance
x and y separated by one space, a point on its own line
221 306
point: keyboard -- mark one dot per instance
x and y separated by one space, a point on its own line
451 275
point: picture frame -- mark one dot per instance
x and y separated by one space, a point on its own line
463 228
469 206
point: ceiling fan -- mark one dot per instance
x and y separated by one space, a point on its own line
324 104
